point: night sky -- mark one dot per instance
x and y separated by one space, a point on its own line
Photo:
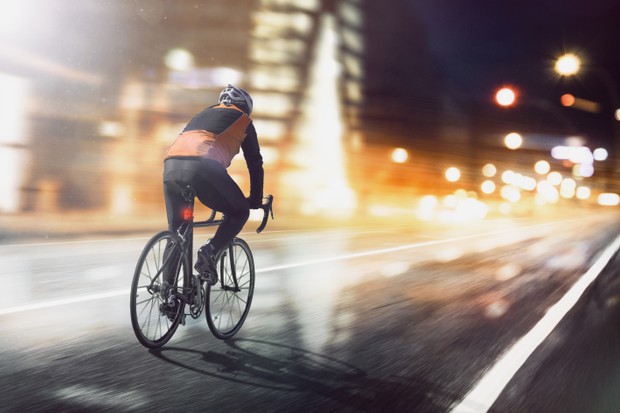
462 51
481 42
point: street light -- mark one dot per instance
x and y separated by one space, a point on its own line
568 64
505 96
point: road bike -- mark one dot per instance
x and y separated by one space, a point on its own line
164 283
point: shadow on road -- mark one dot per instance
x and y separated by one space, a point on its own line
318 379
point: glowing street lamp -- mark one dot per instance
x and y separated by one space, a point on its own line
505 96
568 64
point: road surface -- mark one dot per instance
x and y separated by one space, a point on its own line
507 315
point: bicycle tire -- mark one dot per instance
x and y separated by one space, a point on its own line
153 320
226 309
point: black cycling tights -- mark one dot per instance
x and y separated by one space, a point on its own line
214 188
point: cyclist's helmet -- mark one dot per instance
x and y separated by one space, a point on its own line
238 97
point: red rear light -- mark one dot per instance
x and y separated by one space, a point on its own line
188 214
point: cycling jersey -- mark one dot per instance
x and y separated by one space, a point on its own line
217 133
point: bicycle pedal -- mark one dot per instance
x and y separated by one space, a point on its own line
209 278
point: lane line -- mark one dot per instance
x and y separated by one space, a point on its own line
85 241
64 301
371 252
482 396
405 247
92 297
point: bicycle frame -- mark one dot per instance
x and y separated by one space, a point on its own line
186 232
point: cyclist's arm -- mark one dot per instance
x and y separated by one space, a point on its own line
254 160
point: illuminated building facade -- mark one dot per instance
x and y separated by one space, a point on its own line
162 61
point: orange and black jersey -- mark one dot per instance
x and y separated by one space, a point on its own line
217 133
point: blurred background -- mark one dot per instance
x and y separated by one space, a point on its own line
415 109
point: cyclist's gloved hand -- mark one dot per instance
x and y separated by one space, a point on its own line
255 202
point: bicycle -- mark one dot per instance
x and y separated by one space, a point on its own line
164 283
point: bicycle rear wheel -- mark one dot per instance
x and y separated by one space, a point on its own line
161 273
228 302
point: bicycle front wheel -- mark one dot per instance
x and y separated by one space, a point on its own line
228 302
161 273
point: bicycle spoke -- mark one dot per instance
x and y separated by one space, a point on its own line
148 268
243 269
144 301
238 298
147 321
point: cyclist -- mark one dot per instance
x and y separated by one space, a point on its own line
199 157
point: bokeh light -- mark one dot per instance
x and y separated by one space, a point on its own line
554 178
583 192
453 174
568 64
179 59
513 140
542 167
489 170
505 96
400 155
600 154
608 199
488 187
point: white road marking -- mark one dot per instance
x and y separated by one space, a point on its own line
373 252
85 241
489 387
63 301
92 297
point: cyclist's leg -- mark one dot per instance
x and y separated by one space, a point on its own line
219 191
175 177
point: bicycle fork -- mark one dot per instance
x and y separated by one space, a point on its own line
228 254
